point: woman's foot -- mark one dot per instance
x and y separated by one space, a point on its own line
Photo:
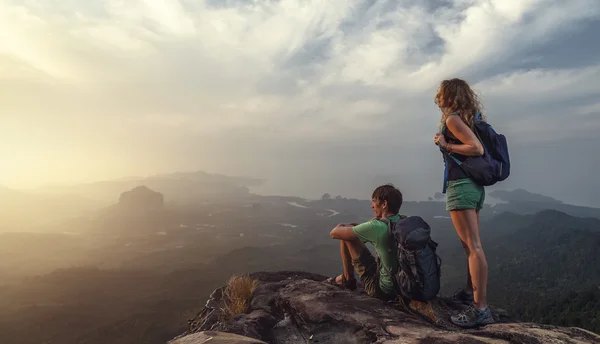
473 317
341 281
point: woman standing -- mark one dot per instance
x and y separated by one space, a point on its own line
464 198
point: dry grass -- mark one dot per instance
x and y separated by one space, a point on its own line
237 296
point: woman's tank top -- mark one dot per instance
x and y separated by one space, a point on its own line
454 170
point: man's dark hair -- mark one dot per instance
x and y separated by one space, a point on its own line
392 195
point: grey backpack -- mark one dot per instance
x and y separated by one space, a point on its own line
419 266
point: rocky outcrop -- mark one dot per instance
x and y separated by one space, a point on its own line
213 337
297 307
141 198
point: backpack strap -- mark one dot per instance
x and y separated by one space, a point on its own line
390 234
412 271
434 246
393 240
446 154
478 119
412 259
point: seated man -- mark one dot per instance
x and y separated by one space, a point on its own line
376 275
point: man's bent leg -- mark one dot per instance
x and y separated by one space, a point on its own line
348 251
366 267
346 261
355 248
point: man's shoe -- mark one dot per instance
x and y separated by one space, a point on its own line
346 284
473 317
462 296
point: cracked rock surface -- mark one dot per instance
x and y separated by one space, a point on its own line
297 307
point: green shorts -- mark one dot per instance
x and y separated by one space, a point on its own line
464 194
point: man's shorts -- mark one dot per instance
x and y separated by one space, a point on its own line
366 267
464 194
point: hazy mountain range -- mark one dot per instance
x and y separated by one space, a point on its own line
134 269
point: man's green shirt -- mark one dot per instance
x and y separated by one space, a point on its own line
376 233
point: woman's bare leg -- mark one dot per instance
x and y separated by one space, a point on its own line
466 223
469 286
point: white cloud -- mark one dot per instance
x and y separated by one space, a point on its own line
236 47
589 110
168 16
287 70
533 86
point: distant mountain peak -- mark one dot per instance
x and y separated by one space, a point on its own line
546 213
141 197
522 195
559 218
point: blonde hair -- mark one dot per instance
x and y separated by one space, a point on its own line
456 96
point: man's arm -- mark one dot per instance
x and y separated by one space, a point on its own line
343 232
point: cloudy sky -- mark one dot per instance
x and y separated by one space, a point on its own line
316 96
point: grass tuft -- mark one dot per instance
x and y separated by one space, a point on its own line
237 296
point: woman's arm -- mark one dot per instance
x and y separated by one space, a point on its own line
470 143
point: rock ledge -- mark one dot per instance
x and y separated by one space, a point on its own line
296 307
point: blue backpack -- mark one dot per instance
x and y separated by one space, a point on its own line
419 266
494 165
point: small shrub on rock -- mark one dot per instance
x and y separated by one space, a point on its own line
237 296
